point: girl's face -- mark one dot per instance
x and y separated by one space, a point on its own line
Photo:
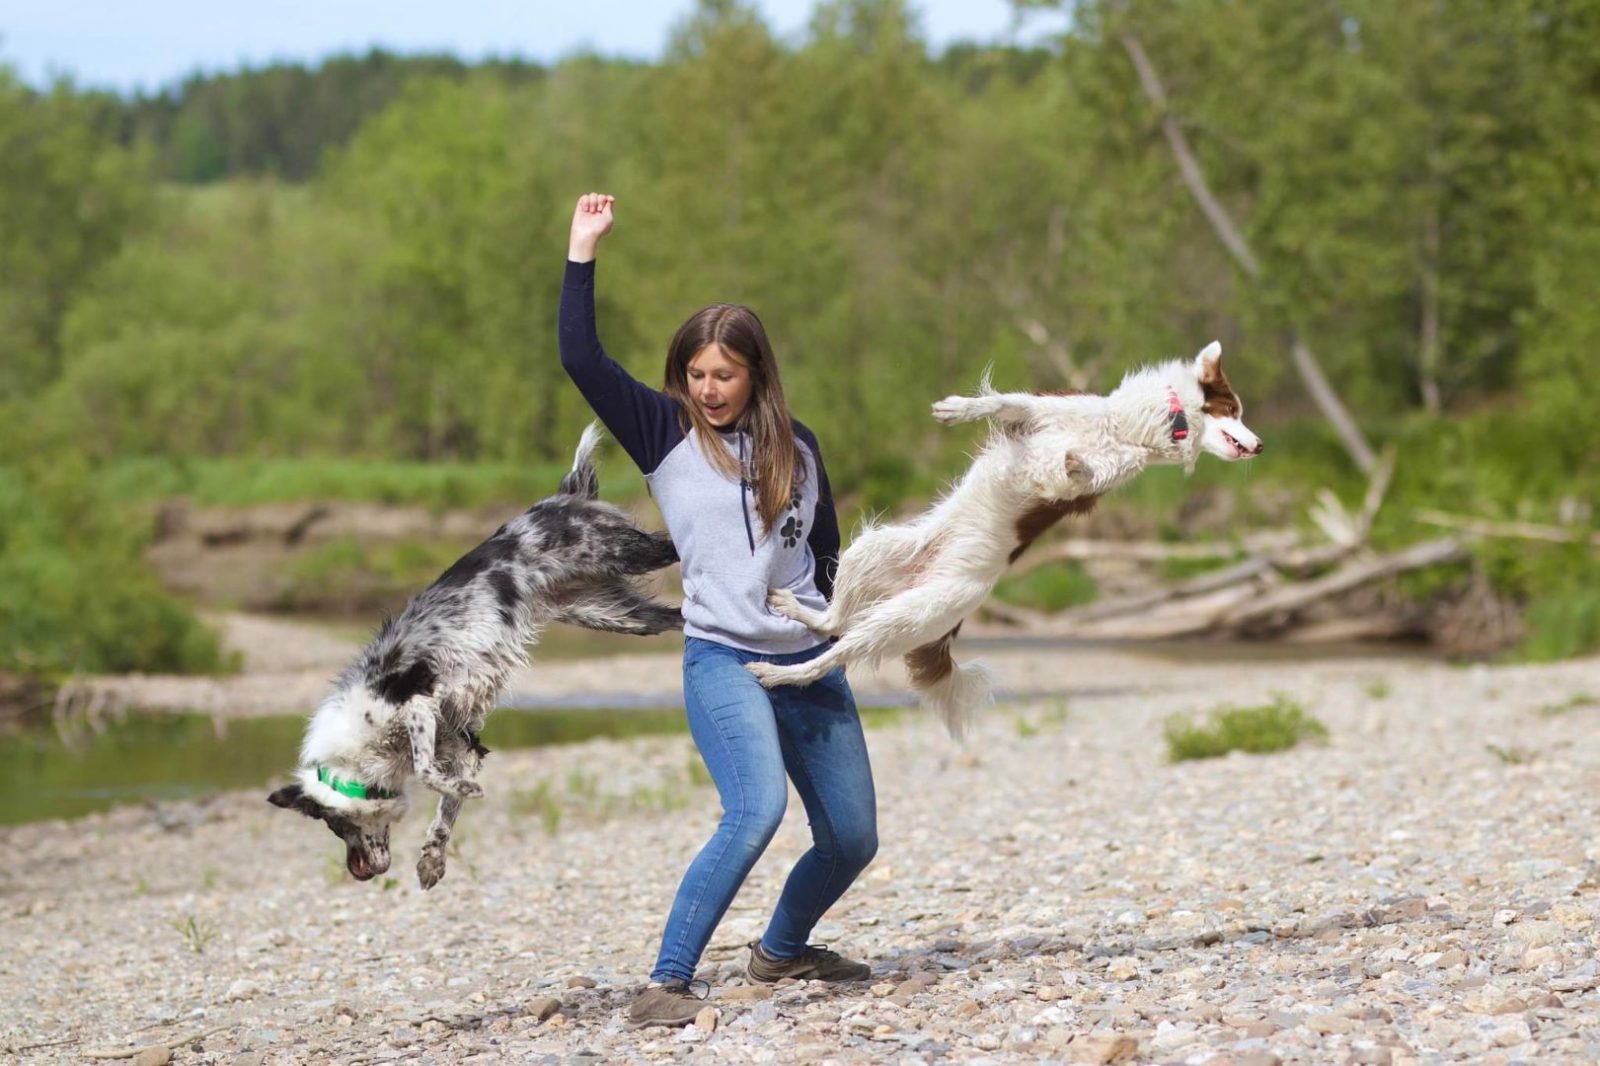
720 383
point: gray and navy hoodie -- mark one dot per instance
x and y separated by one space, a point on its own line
729 562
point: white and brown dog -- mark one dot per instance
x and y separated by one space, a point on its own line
903 589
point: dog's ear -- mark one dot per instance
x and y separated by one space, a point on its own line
1208 364
294 798
287 796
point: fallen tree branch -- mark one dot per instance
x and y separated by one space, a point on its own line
1350 576
1484 527
1150 551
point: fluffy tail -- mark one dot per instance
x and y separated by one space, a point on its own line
583 480
955 691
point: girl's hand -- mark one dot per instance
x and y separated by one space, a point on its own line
591 220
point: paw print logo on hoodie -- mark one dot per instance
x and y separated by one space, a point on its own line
792 528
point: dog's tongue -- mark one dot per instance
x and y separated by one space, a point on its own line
359 867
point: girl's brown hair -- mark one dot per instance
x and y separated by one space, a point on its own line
774 465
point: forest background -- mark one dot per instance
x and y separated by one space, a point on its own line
341 280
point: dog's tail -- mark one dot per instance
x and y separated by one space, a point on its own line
583 480
952 689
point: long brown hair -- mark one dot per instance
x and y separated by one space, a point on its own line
774 465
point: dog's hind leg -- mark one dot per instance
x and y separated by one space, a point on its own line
631 551
430 867
878 562
617 607
892 627
421 718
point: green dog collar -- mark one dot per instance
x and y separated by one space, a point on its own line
353 789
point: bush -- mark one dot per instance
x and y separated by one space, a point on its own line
1274 726
75 597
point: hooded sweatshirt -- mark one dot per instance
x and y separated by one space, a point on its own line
728 560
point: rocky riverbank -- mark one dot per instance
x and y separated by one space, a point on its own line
1424 888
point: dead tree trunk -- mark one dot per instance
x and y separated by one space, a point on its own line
1322 393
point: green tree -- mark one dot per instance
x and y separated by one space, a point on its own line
68 199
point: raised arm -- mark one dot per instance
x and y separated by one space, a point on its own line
644 421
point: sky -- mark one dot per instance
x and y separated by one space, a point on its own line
115 44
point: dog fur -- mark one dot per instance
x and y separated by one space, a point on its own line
412 703
904 589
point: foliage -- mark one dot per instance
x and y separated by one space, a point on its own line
1270 727
68 200
1049 588
377 278
74 596
280 119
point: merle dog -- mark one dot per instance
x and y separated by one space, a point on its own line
412 703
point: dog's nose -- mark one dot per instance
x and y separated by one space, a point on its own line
1261 446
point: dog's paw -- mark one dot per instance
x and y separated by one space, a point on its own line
770 675
784 602
459 787
430 868
953 409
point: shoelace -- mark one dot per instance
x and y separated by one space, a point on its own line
819 953
688 989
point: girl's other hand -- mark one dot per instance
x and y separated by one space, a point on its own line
591 220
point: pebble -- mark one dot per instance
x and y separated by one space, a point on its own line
152 1056
541 1008
1104 1049
746 993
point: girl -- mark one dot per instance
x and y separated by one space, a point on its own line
744 494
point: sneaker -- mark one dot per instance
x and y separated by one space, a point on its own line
815 963
665 1003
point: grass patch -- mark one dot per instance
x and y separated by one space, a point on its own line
1275 726
1512 756
1378 688
1568 705
197 933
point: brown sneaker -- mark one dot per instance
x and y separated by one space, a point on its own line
815 963
665 1003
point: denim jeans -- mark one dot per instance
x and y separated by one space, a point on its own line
750 738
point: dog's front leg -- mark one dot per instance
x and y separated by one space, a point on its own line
421 718
430 868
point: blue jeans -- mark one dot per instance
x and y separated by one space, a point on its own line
750 738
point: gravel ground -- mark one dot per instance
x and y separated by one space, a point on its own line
1424 888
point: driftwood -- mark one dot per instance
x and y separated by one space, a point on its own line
1271 590
1484 527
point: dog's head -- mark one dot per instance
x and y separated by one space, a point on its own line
1221 431
363 824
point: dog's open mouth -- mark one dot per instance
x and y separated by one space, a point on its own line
359 867
1239 450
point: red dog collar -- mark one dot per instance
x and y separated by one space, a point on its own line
1180 421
